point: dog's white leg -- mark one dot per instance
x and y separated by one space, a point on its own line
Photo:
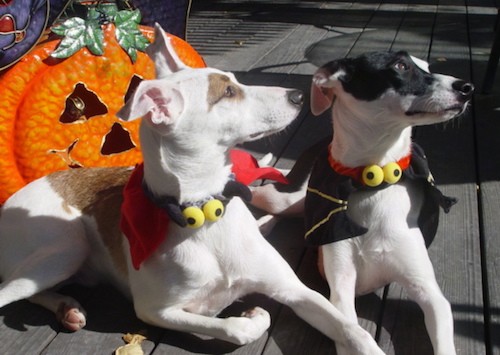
268 199
49 251
321 314
265 160
437 310
43 270
67 310
340 272
284 286
237 330
415 273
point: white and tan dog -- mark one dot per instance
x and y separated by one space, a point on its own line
67 225
371 203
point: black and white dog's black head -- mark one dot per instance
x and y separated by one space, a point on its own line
389 85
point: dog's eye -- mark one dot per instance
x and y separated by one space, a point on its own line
230 91
401 66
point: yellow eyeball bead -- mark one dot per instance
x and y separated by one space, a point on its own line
213 210
392 173
373 175
194 216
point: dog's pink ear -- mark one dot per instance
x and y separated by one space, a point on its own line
163 54
156 101
321 98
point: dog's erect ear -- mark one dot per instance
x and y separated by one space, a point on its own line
322 92
155 100
321 98
163 54
324 83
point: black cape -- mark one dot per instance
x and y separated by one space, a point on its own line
326 219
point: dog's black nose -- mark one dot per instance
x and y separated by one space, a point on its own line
296 97
464 88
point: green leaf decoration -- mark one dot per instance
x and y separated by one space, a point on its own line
108 10
127 18
94 39
67 25
74 30
128 34
79 33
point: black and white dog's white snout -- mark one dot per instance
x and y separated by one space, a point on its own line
296 97
448 97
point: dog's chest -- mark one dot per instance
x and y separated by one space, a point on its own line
211 278
385 209
211 264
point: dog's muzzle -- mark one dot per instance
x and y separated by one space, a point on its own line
296 97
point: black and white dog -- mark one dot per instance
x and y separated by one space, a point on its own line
371 203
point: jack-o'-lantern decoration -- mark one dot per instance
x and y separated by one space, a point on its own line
59 112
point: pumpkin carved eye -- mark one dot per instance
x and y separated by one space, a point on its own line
117 140
134 83
81 105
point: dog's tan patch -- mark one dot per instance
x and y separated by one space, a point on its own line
220 87
97 192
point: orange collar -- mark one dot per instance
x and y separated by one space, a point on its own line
357 172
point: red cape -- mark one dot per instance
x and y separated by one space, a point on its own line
145 225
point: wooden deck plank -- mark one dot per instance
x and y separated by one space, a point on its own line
458 259
380 32
237 44
26 328
415 32
482 20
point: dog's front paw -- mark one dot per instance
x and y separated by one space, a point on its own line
359 341
249 327
71 317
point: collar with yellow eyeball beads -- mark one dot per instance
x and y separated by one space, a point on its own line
195 214
373 175
329 189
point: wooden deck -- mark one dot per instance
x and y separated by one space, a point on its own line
280 42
